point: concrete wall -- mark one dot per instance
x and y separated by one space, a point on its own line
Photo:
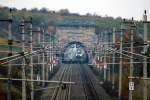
85 35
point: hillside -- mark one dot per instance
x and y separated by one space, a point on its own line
49 20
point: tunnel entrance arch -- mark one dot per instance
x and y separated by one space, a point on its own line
75 52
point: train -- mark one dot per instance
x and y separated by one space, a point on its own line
75 53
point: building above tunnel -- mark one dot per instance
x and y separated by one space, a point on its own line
82 31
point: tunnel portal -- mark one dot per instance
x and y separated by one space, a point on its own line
75 52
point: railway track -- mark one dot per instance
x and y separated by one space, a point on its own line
88 85
63 91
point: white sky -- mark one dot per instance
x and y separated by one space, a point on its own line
115 8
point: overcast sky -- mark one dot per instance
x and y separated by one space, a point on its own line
115 8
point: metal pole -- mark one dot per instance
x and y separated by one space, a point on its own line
99 54
50 68
47 66
145 59
131 64
39 35
109 59
39 55
120 69
52 49
105 65
104 52
51 55
48 60
43 59
31 60
113 72
113 61
10 42
23 62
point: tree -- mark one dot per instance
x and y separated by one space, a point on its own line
64 11
24 9
34 10
44 10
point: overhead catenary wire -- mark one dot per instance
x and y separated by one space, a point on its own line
20 55
128 56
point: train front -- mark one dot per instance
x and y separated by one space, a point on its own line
75 53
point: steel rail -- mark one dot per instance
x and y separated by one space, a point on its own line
89 89
54 96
